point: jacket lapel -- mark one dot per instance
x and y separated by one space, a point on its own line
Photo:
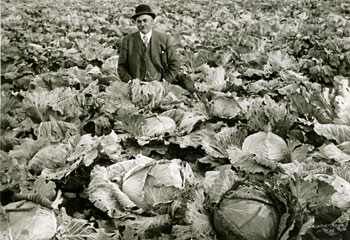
155 46
139 47
152 44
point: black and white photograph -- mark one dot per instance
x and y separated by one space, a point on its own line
175 120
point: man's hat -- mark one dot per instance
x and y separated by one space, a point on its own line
143 9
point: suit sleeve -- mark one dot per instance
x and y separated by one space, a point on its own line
172 67
123 66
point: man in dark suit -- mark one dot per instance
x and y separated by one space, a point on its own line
147 54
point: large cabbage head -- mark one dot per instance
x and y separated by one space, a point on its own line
27 220
139 185
246 213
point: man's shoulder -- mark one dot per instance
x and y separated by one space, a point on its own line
156 34
132 35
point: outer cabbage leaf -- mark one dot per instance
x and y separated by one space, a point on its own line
304 191
150 95
145 129
199 217
106 196
185 120
193 139
262 113
61 78
85 150
332 151
219 182
263 86
28 148
175 96
139 227
12 173
56 131
68 102
250 163
339 133
213 140
45 190
72 229
341 197
342 103
5 228
210 78
111 65
116 97
34 222
279 60
182 232
37 104
82 150
345 147
267 145
147 93
157 126
194 218
225 107
299 152
110 145
51 156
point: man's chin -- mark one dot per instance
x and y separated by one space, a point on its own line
144 31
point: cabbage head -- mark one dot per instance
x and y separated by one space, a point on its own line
267 145
246 213
138 185
27 220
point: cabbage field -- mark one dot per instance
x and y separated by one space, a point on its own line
260 150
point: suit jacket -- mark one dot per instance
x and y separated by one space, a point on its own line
131 63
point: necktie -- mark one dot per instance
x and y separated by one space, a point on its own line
145 40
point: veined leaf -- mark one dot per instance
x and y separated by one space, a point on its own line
139 227
77 229
224 182
339 133
279 60
5 227
37 104
56 131
185 120
333 152
28 220
343 103
210 79
147 93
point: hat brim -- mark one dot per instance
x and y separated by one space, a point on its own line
143 13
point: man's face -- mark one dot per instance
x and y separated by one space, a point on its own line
144 23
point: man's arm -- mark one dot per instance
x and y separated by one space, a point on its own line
172 67
123 66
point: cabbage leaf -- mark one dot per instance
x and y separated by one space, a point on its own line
339 133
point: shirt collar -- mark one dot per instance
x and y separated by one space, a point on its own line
149 35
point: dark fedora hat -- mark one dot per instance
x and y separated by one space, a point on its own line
143 9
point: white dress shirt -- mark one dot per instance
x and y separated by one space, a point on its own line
148 35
